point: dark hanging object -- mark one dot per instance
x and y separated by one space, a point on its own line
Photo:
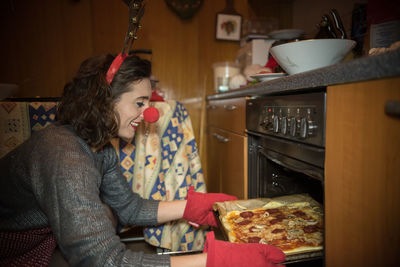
326 30
229 8
359 27
185 9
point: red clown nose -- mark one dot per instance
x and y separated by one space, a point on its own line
151 114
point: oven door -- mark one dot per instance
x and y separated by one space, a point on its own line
279 167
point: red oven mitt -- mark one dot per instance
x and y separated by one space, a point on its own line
222 253
198 208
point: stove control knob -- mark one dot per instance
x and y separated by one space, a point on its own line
303 128
284 126
311 125
276 124
293 126
312 128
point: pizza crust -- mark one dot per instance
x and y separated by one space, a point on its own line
303 249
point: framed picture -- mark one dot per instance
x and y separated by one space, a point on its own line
228 27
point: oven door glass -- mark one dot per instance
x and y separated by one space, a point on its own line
272 174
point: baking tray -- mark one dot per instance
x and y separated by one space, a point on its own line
291 258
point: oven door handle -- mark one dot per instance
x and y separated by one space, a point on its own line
291 164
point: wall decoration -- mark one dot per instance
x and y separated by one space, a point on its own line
228 27
185 9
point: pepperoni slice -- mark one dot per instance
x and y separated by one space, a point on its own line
310 229
280 216
272 211
246 214
244 222
299 213
274 221
276 231
253 239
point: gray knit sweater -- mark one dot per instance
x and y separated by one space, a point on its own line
55 180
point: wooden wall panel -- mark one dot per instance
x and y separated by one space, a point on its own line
42 41
77 35
109 21
281 11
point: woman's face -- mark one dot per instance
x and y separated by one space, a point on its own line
130 107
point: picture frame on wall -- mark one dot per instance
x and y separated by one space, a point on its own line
228 27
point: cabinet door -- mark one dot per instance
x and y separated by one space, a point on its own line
227 163
234 164
228 114
362 175
213 161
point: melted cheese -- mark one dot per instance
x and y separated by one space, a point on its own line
273 205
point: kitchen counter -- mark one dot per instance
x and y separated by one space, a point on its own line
374 67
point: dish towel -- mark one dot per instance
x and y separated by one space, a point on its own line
161 163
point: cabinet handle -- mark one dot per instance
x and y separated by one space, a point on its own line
211 107
221 138
392 108
224 139
229 107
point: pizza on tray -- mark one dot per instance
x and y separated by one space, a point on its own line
294 228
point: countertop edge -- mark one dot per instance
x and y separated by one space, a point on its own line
385 65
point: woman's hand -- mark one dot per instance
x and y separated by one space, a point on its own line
222 253
198 208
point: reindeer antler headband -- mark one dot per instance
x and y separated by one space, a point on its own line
136 11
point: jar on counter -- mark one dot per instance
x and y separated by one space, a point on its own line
223 71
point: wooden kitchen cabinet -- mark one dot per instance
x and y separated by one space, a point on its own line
362 175
227 147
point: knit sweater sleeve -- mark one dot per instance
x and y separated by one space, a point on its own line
130 208
67 189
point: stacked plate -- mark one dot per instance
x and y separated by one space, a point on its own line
262 77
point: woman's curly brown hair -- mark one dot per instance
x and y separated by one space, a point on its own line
87 103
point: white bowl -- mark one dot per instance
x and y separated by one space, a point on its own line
296 57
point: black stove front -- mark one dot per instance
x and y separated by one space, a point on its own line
286 148
286 145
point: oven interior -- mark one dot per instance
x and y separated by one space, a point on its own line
272 174
278 180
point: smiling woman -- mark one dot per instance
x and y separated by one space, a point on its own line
88 101
130 106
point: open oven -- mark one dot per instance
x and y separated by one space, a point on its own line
286 150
